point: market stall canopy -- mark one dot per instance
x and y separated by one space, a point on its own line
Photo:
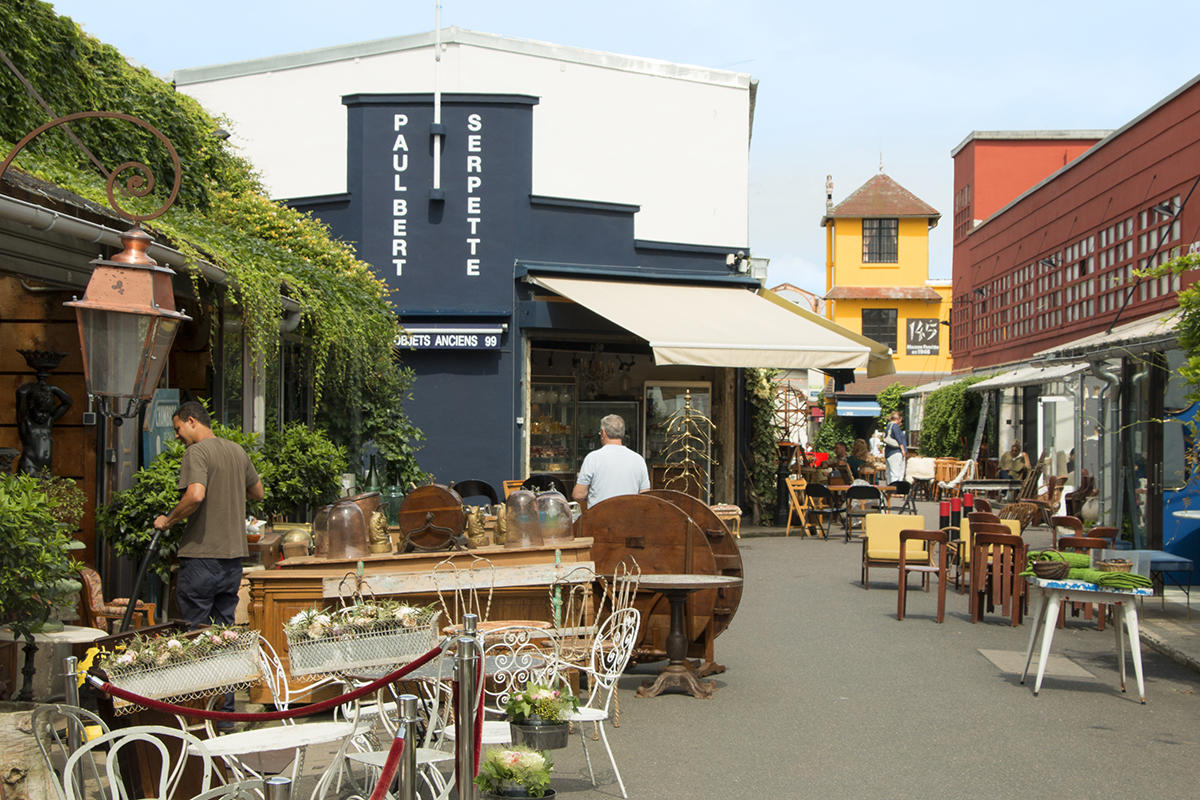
721 326
1028 375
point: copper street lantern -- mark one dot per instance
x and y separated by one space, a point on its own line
127 322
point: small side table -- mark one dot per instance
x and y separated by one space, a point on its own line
678 673
731 515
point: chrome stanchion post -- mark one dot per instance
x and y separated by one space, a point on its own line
408 760
278 788
465 667
72 698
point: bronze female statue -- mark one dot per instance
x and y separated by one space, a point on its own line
39 406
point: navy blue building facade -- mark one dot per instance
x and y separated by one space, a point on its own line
453 234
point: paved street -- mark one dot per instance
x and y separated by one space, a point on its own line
827 695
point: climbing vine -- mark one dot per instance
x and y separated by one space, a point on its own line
949 421
890 400
221 216
760 457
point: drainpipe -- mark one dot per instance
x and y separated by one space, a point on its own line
1100 370
1129 499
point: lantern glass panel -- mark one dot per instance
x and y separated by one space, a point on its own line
114 345
164 335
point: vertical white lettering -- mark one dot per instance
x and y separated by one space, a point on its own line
399 262
400 162
474 122
472 266
473 205
399 204
474 143
399 121
473 244
473 224
474 201
474 164
473 183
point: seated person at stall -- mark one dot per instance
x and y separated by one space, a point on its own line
1014 464
858 458
839 465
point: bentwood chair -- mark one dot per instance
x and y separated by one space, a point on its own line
473 488
1084 544
148 743
59 730
925 566
1065 526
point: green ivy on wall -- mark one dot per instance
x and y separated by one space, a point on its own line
221 216
950 418
761 457
890 400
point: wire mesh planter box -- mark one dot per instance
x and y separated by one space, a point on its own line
392 646
233 667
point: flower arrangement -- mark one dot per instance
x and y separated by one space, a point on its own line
368 617
156 651
540 700
500 771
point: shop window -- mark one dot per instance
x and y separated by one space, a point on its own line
880 324
881 241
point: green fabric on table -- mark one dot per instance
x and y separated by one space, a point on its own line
1110 580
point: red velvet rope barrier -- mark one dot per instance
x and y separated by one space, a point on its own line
389 768
266 716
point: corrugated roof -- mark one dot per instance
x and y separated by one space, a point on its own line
882 197
883 293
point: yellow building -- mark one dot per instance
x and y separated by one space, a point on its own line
877 282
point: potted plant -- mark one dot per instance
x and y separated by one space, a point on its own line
37 573
516 771
537 716
301 471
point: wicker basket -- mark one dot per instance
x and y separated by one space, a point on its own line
1051 570
1115 565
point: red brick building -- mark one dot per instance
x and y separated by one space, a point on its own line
1050 227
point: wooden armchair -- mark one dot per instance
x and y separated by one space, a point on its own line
925 567
99 613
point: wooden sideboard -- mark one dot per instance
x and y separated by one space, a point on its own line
522 579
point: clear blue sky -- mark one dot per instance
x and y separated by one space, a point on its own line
840 83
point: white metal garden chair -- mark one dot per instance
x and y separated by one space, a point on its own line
110 745
611 651
236 748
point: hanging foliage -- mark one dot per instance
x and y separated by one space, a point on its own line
890 400
221 216
761 456
950 418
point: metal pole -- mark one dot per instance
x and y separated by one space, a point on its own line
278 788
465 666
71 692
408 761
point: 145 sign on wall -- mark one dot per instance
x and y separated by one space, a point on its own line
922 337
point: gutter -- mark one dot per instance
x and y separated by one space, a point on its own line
45 220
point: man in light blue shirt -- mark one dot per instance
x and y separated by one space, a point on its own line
612 470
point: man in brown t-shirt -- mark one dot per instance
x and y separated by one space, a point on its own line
216 477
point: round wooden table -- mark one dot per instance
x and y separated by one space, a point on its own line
678 673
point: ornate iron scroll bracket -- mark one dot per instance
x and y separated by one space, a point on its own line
140 184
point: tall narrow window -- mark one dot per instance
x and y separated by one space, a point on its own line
880 324
880 239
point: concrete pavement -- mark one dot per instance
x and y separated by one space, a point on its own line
827 695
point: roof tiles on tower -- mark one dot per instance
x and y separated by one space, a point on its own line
882 197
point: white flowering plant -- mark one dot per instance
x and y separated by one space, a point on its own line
364 617
538 699
144 652
515 766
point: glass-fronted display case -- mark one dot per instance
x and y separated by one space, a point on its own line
590 412
552 428
673 436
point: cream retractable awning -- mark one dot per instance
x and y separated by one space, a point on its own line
715 326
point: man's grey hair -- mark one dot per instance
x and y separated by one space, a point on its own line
613 426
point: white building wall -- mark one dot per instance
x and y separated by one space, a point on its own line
669 138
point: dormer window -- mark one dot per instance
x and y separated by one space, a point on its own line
880 238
